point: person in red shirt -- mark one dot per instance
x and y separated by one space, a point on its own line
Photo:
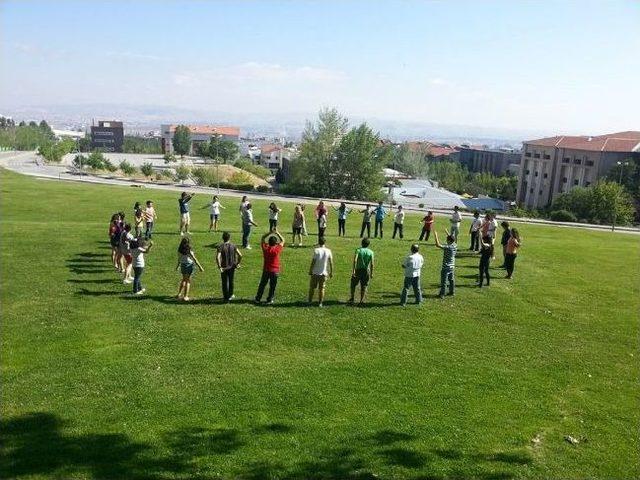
271 250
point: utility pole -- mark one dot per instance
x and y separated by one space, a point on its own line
615 204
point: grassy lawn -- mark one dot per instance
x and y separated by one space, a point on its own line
97 384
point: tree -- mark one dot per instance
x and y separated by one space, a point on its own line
218 148
147 169
127 168
605 202
46 129
182 140
409 161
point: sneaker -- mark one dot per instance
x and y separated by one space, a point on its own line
256 301
269 302
186 299
248 247
140 292
441 297
231 297
320 305
181 234
127 280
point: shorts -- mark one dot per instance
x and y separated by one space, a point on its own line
213 216
186 217
297 230
318 281
186 269
128 258
361 277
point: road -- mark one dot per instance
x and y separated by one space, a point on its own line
28 163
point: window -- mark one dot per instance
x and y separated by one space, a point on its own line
527 154
535 174
564 179
577 161
526 172
536 155
531 190
566 160
589 163
539 192
545 175
576 182
546 157
587 184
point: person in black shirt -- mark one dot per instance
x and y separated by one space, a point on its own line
506 235
486 252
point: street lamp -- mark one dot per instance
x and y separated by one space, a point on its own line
615 204
217 136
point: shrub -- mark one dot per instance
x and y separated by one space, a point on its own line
394 203
169 158
562 216
257 170
182 172
205 176
241 178
147 169
246 187
127 168
79 161
96 160
263 188
107 165
421 205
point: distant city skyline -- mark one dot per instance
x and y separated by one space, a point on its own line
565 67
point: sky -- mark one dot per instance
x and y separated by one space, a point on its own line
558 66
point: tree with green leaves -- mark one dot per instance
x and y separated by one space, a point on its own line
147 169
221 150
605 203
182 140
182 172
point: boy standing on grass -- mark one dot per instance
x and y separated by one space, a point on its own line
455 220
474 231
321 268
506 235
214 213
322 225
412 265
138 248
271 251
398 223
380 212
362 270
512 252
228 260
366 221
427 223
185 216
448 264
150 217
247 223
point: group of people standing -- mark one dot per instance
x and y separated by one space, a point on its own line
129 249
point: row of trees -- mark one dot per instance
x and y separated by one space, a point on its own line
605 202
338 161
24 136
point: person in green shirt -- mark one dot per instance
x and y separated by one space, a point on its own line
362 270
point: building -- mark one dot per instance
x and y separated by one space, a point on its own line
434 152
108 136
199 134
274 156
554 165
479 158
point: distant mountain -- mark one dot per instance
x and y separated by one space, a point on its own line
142 118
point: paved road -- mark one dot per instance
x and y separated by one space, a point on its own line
28 163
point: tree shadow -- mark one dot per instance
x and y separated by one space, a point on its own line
91 293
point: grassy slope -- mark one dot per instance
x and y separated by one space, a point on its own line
99 385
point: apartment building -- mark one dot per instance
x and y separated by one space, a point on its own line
199 134
554 165
478 158
274 157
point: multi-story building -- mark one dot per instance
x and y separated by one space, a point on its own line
434 152
108 136
478 158
199 134
274 157
554 165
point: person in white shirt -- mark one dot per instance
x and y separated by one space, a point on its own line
214 213
412 266
398 223
475 232
321 268
273 216
322 225
455 220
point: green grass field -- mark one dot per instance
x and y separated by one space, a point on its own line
99 384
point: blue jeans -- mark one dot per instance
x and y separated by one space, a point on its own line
137 273
446 276
149 230
417 291
246 233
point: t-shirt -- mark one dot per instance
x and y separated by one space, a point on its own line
506 235
247 217
428 221
138 257
321 256
320 211
298 220
342 214
149 214
412 265
456 218
273 214
228 257
449 256
243 206
476 224
215 208
512 245
183 203
489 228
380 212
399 218
366 216
364 256
125 238
322 221
271 255
186 260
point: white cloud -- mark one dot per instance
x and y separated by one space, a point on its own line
438 81
135 56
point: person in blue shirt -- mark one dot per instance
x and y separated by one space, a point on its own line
448 264
185 216
380 213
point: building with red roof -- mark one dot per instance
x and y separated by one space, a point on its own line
199 134
554 165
